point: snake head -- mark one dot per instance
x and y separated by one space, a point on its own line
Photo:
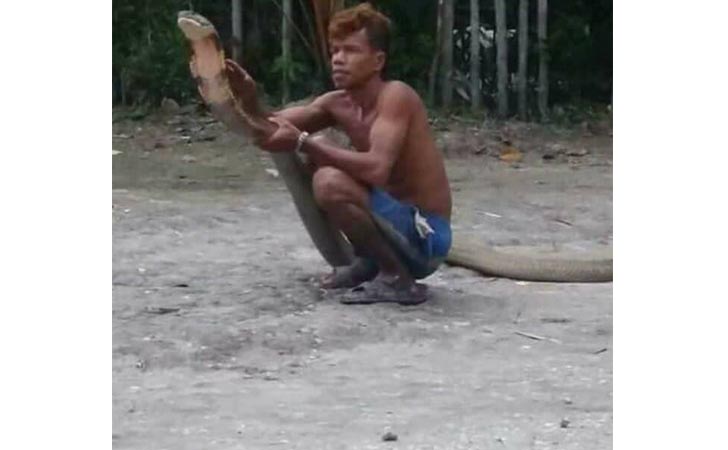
194 26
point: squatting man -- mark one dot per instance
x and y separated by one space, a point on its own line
390 196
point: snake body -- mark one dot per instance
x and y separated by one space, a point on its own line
246 116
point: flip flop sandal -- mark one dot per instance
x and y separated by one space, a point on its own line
379 291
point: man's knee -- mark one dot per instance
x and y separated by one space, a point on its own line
332 187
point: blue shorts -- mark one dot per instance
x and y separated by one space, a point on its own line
421 240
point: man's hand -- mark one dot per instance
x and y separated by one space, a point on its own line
284 139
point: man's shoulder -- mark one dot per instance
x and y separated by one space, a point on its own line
399 89
329 98
400 94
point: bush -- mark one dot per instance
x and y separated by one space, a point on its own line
149 52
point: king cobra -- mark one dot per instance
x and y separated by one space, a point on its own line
243 114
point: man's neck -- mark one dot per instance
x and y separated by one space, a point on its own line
365 96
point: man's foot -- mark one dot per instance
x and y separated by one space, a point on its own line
384 289
350 276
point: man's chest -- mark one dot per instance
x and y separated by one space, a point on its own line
356 125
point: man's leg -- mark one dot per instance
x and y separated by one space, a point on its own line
346 203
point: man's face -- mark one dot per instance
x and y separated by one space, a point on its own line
354 61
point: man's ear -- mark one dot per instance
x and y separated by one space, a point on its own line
381 58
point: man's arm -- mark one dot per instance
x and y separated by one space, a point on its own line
386 139
312 117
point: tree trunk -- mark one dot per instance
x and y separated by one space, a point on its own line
543 56
522 59
253 39
321 14
474 55
501 45
237 41
432 81
286 52
313 37
448 18
322 11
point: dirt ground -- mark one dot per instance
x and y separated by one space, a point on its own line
220 341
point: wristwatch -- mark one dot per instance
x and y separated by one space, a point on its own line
301 140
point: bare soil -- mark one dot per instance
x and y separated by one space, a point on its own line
221 341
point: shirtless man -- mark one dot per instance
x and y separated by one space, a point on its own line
391 196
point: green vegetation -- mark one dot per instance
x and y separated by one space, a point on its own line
150 55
